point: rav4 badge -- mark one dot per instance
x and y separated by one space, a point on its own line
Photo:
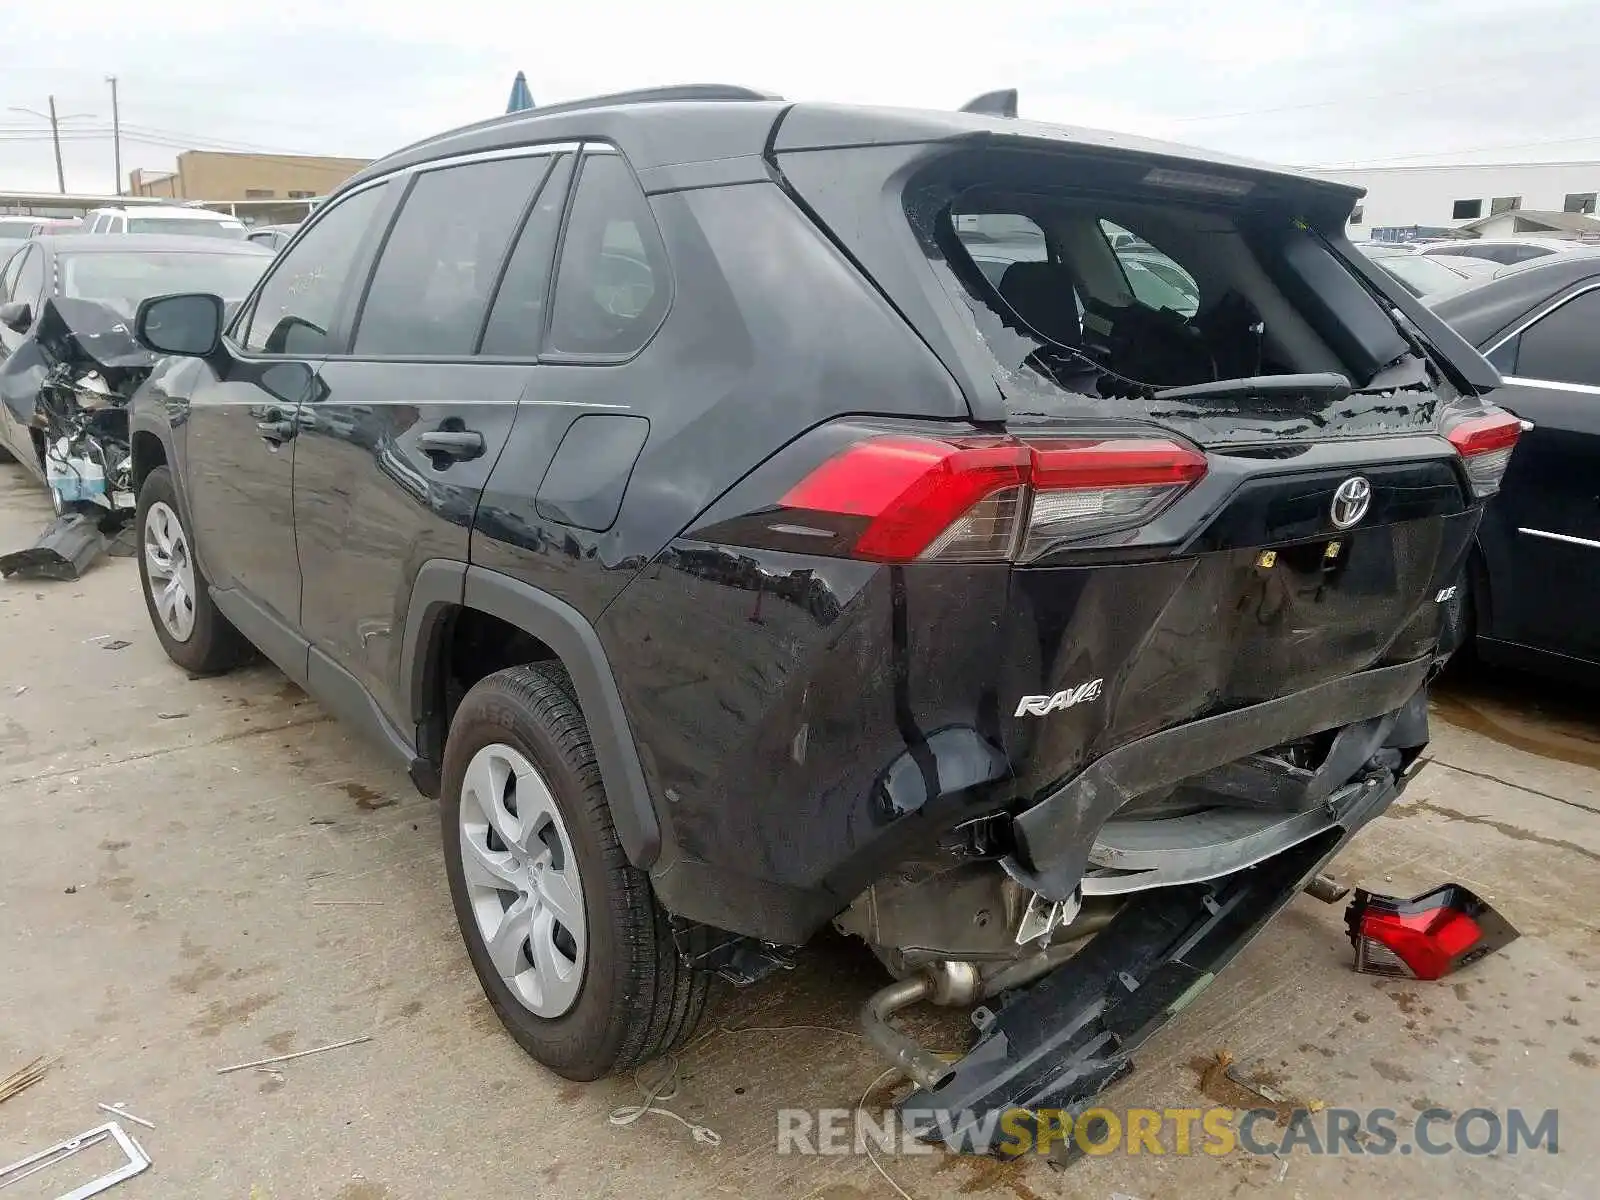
1043 706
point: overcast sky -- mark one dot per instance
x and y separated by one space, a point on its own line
1393 81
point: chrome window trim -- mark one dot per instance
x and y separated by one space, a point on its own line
530 150
1534 320
1557 385
1568 538
525 150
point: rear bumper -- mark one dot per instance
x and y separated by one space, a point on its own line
1057 1044
1055 837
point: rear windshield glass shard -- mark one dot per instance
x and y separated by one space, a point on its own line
1098 292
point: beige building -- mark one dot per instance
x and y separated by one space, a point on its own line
211 175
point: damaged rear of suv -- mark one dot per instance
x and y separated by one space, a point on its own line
1023 548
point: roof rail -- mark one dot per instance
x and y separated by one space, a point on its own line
657 95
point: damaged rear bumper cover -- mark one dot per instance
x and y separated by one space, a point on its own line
1057 1044
1057 838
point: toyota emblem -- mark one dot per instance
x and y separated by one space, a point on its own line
1351 501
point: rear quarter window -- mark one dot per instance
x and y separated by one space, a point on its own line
613 286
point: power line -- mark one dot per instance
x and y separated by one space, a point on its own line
134 133
1372 162
1342 101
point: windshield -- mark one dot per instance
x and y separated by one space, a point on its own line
123 280
187 226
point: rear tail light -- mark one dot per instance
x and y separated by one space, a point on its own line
1485 445
1427 937
990 499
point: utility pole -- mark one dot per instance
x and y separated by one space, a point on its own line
116 132
55 136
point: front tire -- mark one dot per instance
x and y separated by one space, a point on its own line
571 947
191 628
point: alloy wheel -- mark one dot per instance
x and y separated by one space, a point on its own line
522 880
170 570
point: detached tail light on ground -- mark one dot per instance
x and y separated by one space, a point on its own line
1485 445
991 499
1426 937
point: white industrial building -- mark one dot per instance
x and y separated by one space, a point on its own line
1452 197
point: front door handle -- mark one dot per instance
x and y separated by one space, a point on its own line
276 432
457 444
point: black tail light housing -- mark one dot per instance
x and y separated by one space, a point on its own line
1427 937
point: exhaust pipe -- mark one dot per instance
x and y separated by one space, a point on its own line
942 983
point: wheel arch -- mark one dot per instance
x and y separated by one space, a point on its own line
149 452
1480 588
446 592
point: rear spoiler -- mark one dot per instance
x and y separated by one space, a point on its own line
1460 358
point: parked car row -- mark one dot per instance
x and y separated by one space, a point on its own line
179 220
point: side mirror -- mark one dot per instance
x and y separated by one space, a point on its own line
189 324
17 316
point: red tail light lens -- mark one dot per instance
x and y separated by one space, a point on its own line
982 500
1426 937
1485 445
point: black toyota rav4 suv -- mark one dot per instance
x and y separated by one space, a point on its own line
747 516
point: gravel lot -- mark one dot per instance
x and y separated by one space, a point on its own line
199 873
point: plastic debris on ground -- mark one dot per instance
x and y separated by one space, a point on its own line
68 547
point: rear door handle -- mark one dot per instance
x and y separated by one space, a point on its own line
276 432
459 444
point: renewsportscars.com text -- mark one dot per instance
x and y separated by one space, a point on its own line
1177 1131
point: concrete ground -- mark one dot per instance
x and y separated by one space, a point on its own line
200 873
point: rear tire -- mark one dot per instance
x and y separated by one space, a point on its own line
587 994
191 629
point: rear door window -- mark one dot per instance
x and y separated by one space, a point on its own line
613 285
1560 346
442 258
516 320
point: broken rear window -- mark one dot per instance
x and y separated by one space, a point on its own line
1095 291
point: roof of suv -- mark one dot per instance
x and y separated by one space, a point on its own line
665 126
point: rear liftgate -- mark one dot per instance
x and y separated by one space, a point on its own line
1057 1044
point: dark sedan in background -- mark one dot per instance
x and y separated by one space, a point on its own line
1537 569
